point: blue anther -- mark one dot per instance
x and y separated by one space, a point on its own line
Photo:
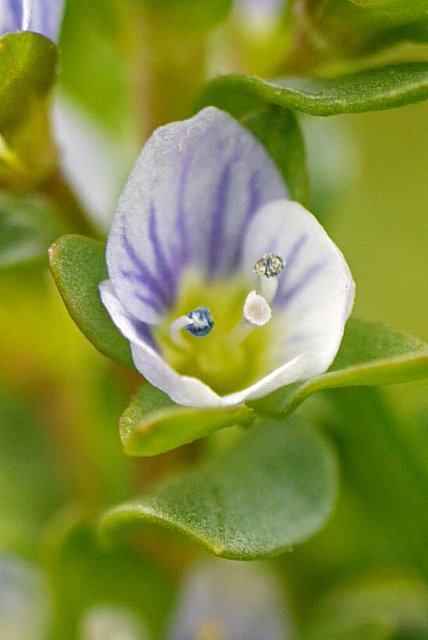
201 322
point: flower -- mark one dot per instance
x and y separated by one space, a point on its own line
41 16
225 288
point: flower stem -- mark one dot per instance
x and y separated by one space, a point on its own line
74 217
167 67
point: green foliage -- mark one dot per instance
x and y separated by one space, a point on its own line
29 487
153 424
275 488
408 8
27 229
189 14
370 354
83 575
277 129
78 266
27 71
368 90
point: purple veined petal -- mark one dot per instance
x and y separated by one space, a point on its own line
315 290
40 16
11 16
43 16
186 390
193 191
182 389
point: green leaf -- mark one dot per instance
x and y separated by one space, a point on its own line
277 129
375 607
78 266
368 90
84 577
27 71
406 8
153 424
275 488
370 354
27 228
30 487
28 156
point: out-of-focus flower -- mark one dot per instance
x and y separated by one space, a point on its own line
225 289
25 608
231 601
40 16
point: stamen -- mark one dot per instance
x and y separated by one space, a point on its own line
256 313
257 310
268 268
201 322
198 322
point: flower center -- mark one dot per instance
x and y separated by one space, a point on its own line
234 327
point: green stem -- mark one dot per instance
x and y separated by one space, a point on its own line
167 68
74 217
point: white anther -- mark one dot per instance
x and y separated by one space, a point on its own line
257 310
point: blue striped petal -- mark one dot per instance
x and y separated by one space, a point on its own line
189 199
40 16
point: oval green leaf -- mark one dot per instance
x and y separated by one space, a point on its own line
153 424
406 8
275 488
78 266
27 71
368 90
278 131
370 354
27 228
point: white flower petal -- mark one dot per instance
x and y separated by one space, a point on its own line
186 390
192 192
315 290
183 390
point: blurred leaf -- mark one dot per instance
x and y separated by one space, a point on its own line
385 463
190 14
277 129
27 229
370 354
78 266
94 75
275 488
27 70
84 576
407 8
380 606
30 485
153 424
368 90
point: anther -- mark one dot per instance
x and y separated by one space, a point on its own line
270 265
268 268
198 322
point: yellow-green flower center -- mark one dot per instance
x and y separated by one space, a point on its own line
233 355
